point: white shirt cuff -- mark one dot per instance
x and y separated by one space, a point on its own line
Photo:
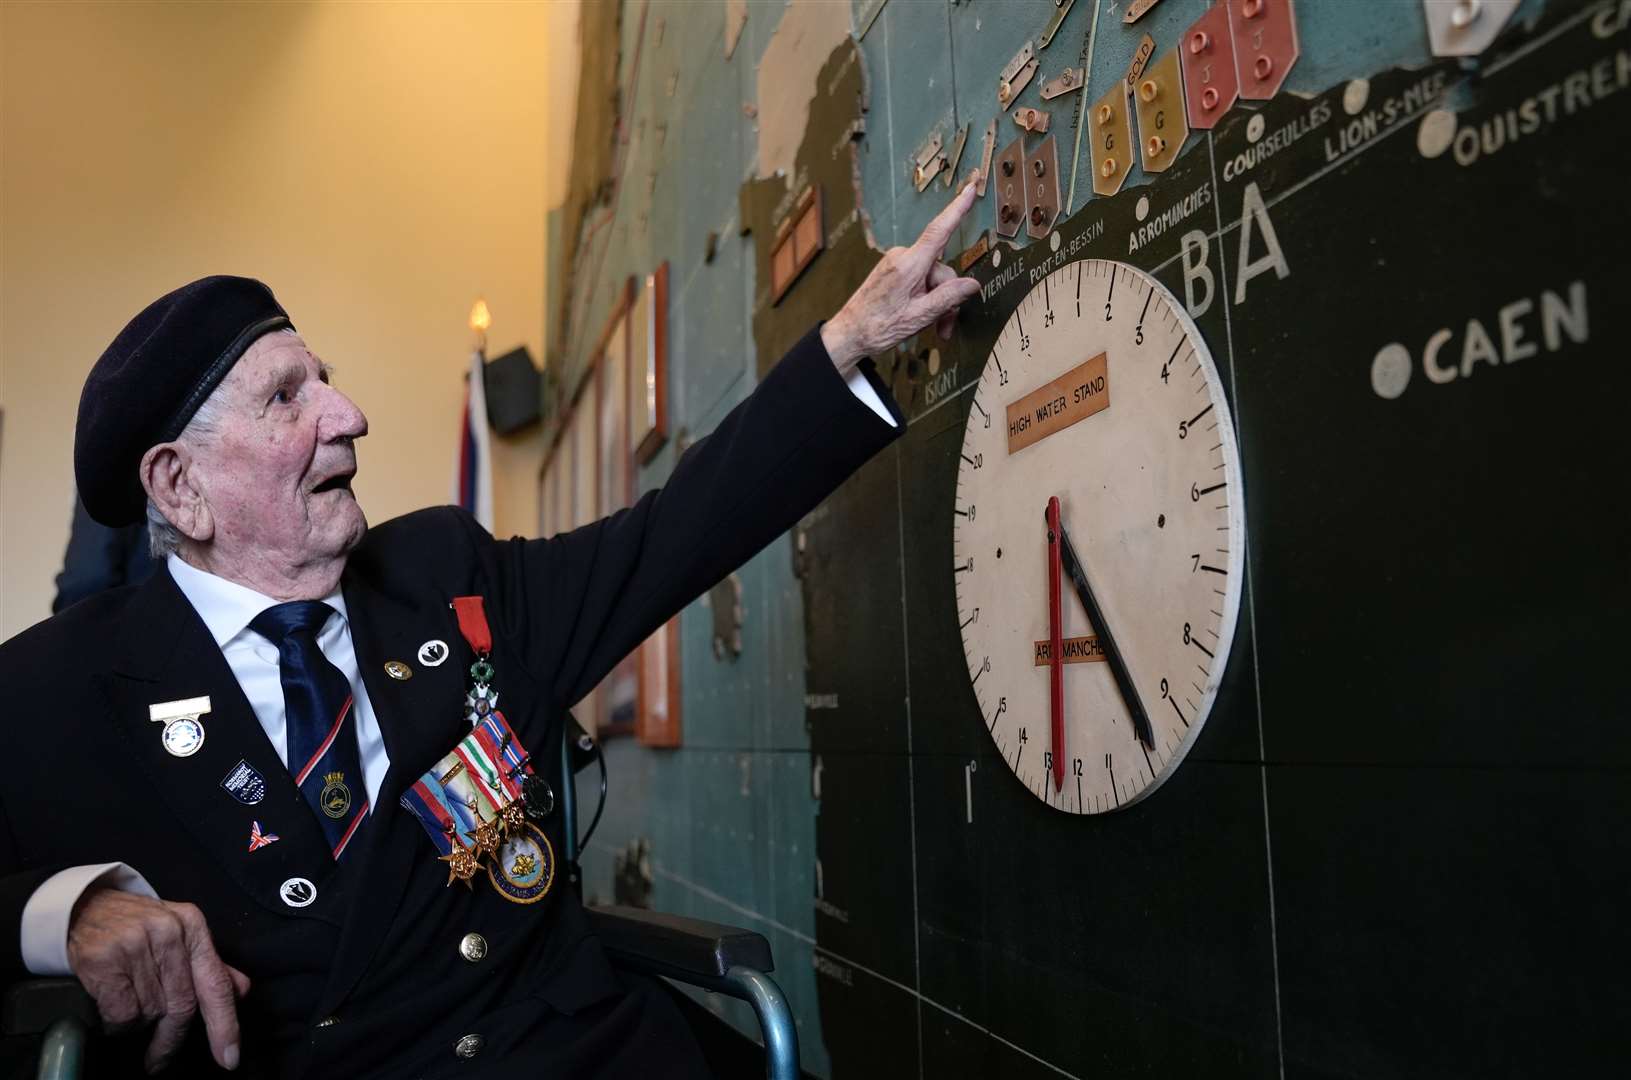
46 915
862 388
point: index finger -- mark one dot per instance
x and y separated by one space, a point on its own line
217 999
938 232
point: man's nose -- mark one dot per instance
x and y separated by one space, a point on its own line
341 419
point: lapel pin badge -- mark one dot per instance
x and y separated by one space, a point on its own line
245 783
183 733
258 839
298 892
433 652
396 669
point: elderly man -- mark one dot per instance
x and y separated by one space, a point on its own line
288 785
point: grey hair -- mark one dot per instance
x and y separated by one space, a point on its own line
164 538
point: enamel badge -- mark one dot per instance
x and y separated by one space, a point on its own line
183 733
258 839
245 784
524 867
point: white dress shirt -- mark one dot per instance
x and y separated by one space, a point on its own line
227 610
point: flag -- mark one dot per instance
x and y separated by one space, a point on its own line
258 839
473 468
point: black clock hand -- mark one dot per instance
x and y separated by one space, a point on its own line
1118 666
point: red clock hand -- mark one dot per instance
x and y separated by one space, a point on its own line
1056 658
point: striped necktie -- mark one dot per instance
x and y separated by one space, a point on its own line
322 734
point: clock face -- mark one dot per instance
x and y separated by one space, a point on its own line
1098 436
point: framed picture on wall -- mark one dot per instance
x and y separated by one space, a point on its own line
648 367
657 721
616 464
582 430
618 693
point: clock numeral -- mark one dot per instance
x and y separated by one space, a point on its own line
971 511
1076 767
1194 493
1107 313
1023 736
1165 690
1047 318
1025 341
1197 566
1107 761
1186 633
1138 334
1002 380
1164 368
1047 761
978 462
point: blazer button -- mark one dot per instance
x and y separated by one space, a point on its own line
473 947
469 1046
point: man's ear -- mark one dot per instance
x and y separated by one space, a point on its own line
167 476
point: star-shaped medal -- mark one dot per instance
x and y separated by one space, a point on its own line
488 836
462 864
513 816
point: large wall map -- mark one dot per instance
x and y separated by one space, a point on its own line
1398 846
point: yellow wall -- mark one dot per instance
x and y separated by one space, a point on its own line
379 165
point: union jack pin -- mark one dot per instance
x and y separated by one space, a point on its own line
258 839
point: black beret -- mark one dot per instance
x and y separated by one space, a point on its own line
153 378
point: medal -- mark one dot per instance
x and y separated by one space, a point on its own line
539 797
461 865
478 802
183 734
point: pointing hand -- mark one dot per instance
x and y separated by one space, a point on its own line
908 289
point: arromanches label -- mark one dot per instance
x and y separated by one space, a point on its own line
1069 399
1075 650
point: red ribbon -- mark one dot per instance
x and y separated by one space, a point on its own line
473 623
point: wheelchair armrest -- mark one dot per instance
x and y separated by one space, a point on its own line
682 948
32 1006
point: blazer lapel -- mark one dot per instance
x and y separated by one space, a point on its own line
420 718
166 654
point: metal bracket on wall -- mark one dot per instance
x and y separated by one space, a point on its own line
927 162
985 159
1137 10
1070 79
1033 120
1265 33
952 159
1061 8
1042 181
1211 83
1162 126
1011 188
1016 76
1465 27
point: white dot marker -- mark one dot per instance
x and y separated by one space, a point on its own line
1354 96
1390 371
1436 133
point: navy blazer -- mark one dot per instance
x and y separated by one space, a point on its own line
368 980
